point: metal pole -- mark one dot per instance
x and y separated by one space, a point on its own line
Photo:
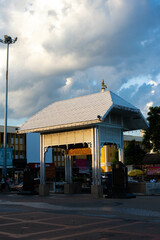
5 117
7 40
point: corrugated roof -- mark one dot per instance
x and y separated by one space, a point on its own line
76 111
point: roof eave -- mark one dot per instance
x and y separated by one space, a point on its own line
63 127
126 108
119 107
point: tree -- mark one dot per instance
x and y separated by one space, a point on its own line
115 159
133 154
152 134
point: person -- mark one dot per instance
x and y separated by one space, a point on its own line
8 183
3 183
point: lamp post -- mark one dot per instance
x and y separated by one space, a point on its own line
7 40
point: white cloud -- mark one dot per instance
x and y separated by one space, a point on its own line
153 83
146 108
68 81
65 48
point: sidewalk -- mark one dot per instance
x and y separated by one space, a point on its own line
60 216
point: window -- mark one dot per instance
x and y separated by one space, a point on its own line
16 139
21 155
21 139
12 138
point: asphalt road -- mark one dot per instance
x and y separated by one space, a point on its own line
60 216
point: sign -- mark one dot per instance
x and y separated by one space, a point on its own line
50 172
37 165
9 157
79 151
49 167
153 170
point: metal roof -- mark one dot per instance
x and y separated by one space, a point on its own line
131 137
10 129
76 112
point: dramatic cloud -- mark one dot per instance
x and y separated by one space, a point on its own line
65 48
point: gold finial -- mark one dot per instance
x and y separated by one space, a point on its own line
103 86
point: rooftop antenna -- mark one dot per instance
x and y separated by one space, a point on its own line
104 86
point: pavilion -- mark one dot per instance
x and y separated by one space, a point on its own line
91 121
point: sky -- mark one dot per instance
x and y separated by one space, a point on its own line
66 47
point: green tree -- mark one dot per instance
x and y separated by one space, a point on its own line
115 159
133 154
152 134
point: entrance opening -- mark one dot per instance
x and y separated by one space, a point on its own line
81 157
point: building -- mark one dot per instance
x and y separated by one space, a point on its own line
33 149
16 150
81 127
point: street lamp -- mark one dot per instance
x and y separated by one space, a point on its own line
7 40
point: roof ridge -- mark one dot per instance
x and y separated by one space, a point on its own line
70 99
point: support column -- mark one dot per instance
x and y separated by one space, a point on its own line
120 154
43 188
93 158
106 157
42 160
98 147
68 187
66 168
96 188
121 148
70 169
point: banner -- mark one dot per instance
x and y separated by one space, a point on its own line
153 170
9 157
79 151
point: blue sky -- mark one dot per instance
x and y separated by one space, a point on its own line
65 48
